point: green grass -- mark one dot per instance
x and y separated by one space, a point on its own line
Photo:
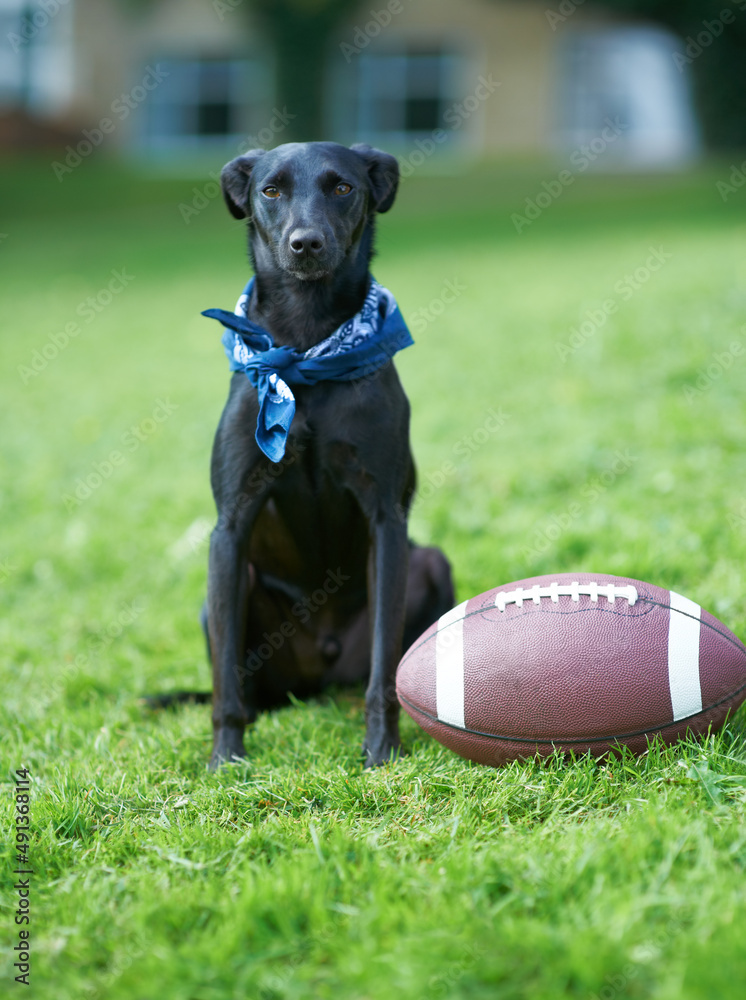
296 875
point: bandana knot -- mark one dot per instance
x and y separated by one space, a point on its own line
356 349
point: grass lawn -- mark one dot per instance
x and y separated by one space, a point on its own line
621 448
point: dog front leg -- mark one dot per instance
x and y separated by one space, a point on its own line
387 595
227 600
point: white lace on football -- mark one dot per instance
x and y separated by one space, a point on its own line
572 590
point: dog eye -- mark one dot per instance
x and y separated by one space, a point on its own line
271 191
343 188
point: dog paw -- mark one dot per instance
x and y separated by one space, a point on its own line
227 748
384 752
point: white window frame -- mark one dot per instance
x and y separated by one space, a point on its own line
626 72
183 94
36 58
383 72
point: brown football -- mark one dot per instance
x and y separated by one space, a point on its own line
576 662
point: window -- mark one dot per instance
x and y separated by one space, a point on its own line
629 75
395 95
205 102
14 62
36 64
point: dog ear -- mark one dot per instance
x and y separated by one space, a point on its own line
235 178
383 174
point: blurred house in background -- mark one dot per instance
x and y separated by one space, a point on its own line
175 78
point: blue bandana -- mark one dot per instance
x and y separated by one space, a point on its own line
356 349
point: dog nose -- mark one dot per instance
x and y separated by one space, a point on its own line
306 241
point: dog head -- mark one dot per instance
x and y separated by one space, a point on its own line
309 204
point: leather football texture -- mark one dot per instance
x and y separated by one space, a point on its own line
581 662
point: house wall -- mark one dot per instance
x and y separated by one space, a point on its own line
511 42
506 82
188 27
115 46
102 53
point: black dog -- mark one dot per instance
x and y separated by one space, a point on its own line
311 576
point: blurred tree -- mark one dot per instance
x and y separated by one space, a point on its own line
301 31
713 50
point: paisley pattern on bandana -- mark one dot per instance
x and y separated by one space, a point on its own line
356 349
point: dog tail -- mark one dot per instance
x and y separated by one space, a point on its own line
174 698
